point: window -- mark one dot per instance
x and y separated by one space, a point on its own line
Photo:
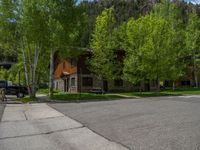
87 81
72 81
185 83
118 83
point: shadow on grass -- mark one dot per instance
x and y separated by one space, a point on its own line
152 94
167 92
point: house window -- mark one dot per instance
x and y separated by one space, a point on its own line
87 81
185 83
72 81
118 83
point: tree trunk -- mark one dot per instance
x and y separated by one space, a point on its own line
102 84
141 87
195 70
34 67
51 75
174 86
196 81
26 72
158 85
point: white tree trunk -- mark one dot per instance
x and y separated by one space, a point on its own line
31 73
26 71
35 63
174 86
51 74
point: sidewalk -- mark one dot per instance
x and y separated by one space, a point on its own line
39 127
2 105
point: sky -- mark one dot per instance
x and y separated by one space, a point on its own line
192 1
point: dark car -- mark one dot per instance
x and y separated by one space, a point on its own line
11 89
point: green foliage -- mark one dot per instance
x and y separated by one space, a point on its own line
8 34
159 44
147 49
16 70
193 33
192 43
3 74
172 13
103 46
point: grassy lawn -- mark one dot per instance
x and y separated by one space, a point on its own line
43 91
83 96
167 92
112 96
46 91
26 99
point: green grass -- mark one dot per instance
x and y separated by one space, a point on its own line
83 96
167 92
112 96
26 99
46 91
43 91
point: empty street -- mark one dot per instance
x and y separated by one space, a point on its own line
162 123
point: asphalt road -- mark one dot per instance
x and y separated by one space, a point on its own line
165 123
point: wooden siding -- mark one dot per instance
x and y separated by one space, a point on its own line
64 66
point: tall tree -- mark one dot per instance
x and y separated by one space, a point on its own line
192 41
8 34
103 46
147 49
33 36
170 11
65 23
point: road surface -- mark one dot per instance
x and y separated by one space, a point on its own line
162 123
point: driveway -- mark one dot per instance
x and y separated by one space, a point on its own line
162 123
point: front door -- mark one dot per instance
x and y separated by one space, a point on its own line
66 85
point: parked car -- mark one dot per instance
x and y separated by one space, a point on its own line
12 89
